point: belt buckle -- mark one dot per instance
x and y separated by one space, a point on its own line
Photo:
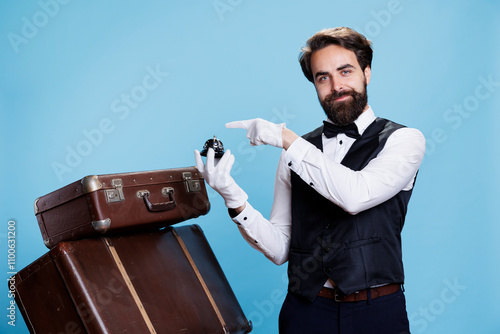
336 295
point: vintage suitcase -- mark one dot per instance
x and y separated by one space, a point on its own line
111 203
166 281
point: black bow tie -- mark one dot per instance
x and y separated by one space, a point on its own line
331 130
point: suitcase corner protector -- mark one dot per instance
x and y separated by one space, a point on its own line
36 205
101 226
91 183
47 243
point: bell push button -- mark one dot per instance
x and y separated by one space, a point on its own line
214 143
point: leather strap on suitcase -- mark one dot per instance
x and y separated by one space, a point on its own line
200 278
130 286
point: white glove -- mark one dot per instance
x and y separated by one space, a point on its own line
217 176
260 131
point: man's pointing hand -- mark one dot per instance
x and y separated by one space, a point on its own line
260 131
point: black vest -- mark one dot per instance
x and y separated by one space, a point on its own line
355 251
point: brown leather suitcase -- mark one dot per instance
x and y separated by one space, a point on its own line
99 204
166 281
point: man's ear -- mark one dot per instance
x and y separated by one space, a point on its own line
368 74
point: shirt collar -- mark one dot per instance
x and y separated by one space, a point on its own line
363 121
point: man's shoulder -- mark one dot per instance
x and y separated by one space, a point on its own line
391 126
396 132
387 123
383 127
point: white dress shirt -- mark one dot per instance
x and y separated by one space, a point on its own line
394 169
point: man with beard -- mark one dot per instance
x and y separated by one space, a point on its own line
340 199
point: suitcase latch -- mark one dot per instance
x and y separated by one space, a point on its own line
191 185
115 195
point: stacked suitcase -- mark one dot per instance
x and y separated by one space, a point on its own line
116 265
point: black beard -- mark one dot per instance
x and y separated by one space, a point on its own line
345 112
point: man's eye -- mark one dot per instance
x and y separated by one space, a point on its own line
346 72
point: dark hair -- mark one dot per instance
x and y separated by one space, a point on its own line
341 36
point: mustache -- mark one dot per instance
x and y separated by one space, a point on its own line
335 95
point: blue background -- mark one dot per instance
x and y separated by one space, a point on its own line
67 68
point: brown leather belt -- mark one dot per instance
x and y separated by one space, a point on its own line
357 296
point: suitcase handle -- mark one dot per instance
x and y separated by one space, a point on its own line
159 207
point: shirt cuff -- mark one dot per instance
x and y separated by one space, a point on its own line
247 216
295 154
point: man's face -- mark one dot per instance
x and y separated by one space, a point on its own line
340 83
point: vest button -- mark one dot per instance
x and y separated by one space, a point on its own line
327 226
327 269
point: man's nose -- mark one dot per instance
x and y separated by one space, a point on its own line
338 85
